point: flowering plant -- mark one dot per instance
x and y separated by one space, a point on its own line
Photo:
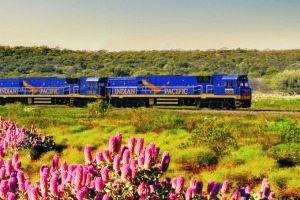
117 172
14 138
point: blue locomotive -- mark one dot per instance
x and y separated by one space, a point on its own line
216 91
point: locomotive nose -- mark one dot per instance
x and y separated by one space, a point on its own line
246 92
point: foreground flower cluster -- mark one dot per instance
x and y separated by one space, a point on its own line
13 138
118 172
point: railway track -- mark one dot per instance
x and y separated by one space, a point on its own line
244 111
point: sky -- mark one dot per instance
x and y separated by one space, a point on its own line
121 25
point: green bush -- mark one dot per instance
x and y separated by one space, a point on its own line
77 128
214 135
196 157
286 154
287 81
287 131
99 108
247 152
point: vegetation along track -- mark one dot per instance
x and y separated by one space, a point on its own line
244 111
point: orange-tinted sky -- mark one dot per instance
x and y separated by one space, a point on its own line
117 25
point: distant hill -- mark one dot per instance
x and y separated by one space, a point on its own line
260 66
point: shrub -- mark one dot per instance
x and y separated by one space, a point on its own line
77 128
287 155
214 135
197 156
99 108
245 153
287 131
287 81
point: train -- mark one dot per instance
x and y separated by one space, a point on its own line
218 91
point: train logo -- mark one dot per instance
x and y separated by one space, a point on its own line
34 90
154 88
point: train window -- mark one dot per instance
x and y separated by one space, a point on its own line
243 84
229 84
140 82
72 80
234 84
205 79
224 83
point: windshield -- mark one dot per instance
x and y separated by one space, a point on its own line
244 84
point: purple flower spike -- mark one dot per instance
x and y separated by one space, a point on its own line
210 186
112 145
81 194
11 196
179 185
248 190
8 167
139 146
12 183
44 186
131 144
235 195
104 174
116 163
199 187
88 154
18 165
263 184
78 177
119 141
15 158
142 189
64 166
99 158
21 180
189 193
272 195
27 183
174 183
172 196
193 183
55 161
98 197
34 193
44 169
267 189
99 184
106 197
2 173
148 158
242 191
126 172
141 160
165 161
216 189
54 187
106 155
225 187
1 151
64 177
126 157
